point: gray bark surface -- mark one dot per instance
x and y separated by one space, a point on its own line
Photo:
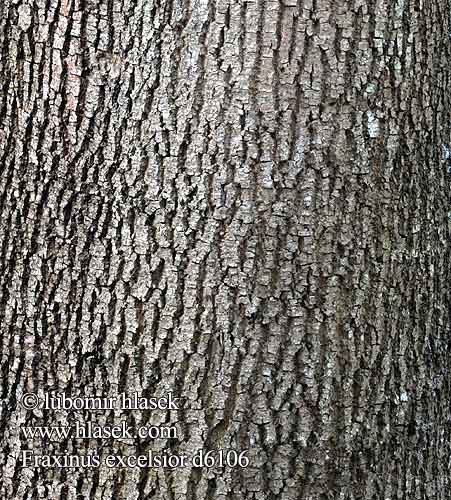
245 203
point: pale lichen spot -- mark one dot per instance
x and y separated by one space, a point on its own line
404 397
24 20
373 124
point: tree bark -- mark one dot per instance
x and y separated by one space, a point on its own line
244 204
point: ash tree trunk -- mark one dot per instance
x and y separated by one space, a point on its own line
244 203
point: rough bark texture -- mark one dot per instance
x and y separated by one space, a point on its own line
244 203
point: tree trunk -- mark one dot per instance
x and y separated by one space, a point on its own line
245 205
